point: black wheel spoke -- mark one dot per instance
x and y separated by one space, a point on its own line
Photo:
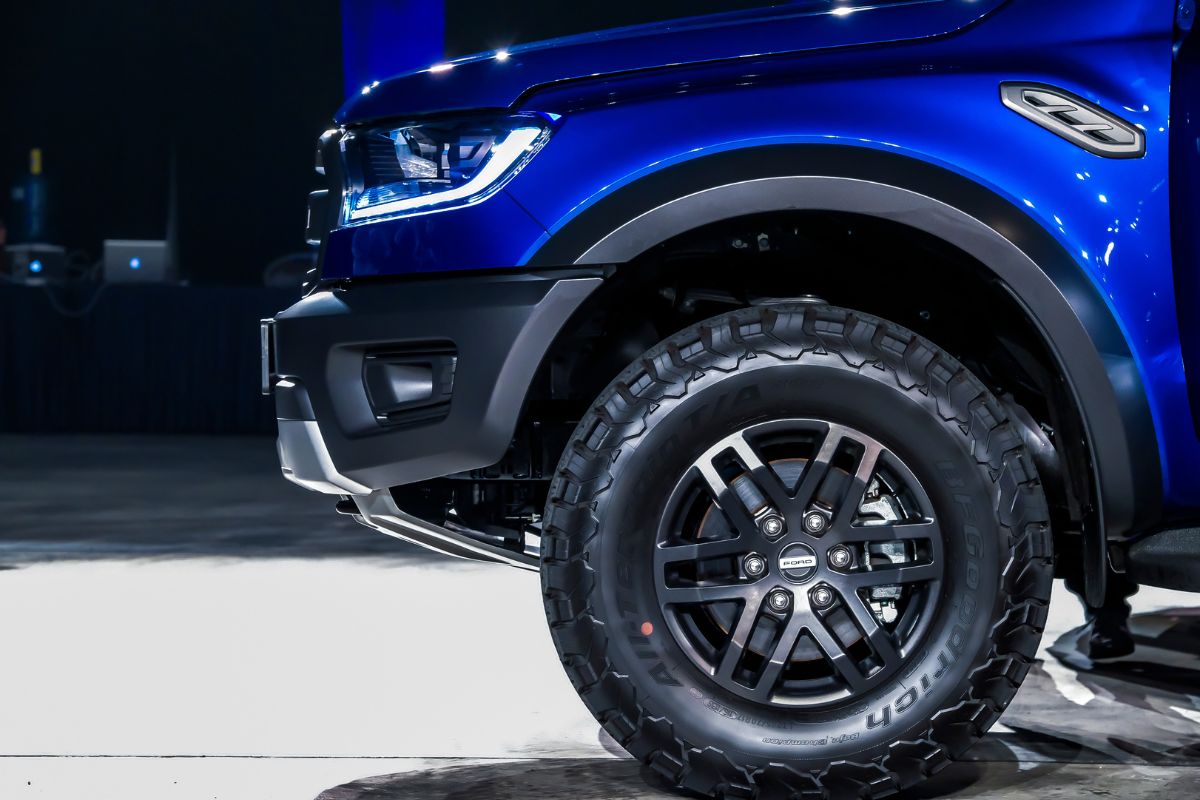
737 642
726 498
769 676
852 500
817 467
700 551
898 574
837 656
877 635
707 593
889 532
763 476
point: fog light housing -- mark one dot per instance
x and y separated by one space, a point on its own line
410 386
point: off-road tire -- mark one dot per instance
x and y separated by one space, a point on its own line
627 681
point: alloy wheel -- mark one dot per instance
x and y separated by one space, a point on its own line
798 563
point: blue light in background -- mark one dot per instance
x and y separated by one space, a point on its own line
135 263
35 266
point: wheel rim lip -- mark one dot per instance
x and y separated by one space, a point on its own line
925 599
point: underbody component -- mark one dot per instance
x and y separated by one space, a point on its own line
1170 559
378 510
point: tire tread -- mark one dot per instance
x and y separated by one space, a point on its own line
863 343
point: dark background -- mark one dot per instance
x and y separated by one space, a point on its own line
235 92
196 121
476 25
232 95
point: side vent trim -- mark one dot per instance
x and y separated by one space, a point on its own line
1075 119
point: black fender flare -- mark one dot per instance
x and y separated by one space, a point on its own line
1065 307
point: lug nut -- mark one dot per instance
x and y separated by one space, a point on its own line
839 557
821 596
771 525
779 600
815 522
755 565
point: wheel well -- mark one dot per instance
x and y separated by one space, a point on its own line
859 262
863 263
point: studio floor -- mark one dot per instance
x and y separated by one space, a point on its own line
180 623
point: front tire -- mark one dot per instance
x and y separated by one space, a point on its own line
796 551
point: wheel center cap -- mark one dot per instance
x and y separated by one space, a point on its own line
798 563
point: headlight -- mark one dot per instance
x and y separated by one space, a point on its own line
399 171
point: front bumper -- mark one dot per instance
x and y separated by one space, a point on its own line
383 384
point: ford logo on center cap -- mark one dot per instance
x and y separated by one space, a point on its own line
798 562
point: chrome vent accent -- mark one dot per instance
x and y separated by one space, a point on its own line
1075 119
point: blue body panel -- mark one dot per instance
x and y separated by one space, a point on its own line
484 81
934 98
369 31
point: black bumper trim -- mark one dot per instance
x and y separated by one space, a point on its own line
501 327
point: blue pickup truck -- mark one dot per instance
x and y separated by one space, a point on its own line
798 347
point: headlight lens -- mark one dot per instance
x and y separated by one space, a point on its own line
400 171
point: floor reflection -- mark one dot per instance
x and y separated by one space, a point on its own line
595 779
1128 728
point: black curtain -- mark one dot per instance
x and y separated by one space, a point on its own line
142 359
237 92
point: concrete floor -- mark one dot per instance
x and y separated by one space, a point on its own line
179 622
